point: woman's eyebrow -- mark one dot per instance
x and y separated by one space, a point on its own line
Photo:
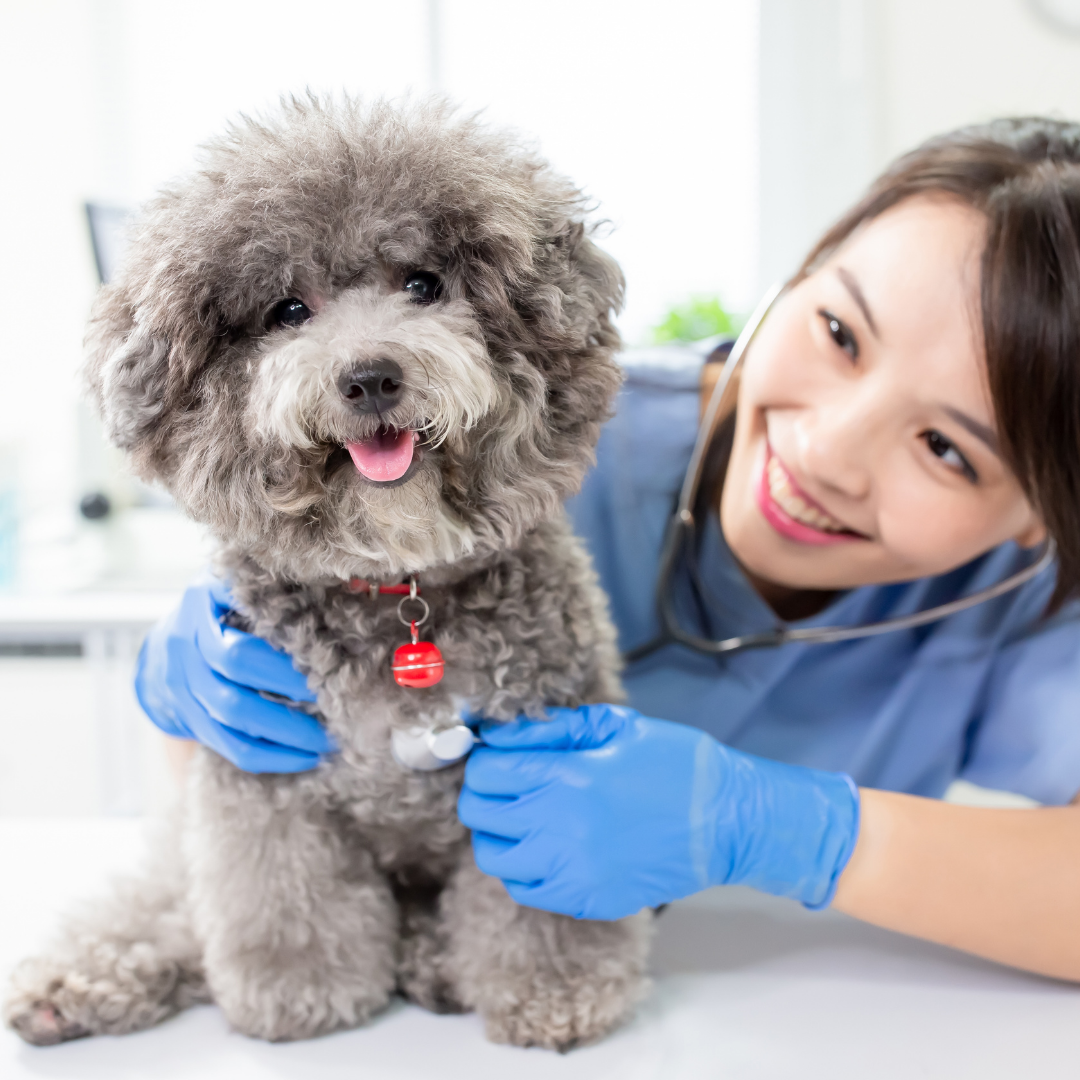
980 431
852 286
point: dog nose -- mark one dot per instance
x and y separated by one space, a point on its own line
373 387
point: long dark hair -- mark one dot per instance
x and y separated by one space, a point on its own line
1024 175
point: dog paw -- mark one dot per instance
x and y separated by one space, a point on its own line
110 989
299 1004
43 1024
559 1017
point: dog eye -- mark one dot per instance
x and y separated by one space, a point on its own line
422 287
290 312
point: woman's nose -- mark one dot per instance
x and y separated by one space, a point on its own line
837 443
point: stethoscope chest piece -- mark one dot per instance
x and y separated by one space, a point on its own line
426 749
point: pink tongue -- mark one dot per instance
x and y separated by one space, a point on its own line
385 456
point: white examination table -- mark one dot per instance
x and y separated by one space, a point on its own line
746 987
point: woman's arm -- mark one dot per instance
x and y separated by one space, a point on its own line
1003 884
602 811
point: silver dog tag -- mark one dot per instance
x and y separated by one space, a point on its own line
426 749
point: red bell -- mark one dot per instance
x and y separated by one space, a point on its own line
417 664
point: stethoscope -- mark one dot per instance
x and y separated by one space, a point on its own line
681 538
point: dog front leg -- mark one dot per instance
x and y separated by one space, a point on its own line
121 965
298 925
539 979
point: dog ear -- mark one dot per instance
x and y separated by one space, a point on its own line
126 370
576 293
600 286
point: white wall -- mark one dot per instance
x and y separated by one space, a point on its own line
944 64
652 107
74 741
819 111
846 85
46 271
187 68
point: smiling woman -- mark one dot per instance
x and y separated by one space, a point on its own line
996 328
865 448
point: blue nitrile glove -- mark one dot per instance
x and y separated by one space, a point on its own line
199 679
600 812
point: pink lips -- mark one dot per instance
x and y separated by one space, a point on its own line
385 456
782 521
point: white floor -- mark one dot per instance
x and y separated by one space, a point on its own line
746 987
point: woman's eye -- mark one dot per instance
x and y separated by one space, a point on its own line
422 287
839 332
945 449
290 312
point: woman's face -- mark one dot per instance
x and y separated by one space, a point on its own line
865 447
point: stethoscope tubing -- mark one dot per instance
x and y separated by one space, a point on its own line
682 530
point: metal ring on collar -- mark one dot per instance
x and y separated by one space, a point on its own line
416 600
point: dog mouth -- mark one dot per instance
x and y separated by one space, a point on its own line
386 456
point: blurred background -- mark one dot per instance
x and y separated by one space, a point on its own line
718 138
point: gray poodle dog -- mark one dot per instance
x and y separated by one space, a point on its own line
362 343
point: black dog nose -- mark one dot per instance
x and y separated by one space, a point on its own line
373 387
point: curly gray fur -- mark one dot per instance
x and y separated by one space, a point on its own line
301 903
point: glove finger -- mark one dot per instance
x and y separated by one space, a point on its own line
238 656
511 772
520 861
505 818
543 895
564 729
245 711
247 752
256 755
550 895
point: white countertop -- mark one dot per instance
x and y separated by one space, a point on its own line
746 987
76 612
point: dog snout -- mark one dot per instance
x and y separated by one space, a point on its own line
372 388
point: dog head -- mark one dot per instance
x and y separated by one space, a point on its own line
362 341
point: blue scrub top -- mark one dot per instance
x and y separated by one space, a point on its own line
991 695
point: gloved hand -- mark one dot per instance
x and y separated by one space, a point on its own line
601 811
199 679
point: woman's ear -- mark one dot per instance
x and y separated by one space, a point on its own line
126 370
